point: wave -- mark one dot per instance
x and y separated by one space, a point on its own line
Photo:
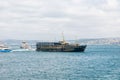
21 50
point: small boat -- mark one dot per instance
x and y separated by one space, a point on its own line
4 48
25 46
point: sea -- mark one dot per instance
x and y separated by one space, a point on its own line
98 62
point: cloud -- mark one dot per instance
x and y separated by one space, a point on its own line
46 19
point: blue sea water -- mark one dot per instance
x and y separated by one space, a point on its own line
100 62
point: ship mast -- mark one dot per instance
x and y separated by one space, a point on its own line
63 41
63 37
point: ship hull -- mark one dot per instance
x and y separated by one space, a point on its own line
61 48
6 50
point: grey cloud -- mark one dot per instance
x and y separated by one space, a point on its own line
82 18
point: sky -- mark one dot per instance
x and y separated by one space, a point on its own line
47 19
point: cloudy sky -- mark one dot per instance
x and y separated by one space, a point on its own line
47 19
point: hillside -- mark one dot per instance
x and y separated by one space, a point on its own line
101 41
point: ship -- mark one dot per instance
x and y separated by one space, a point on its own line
4 48
61 46
25 46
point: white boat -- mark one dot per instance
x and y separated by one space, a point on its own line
25 46
4 48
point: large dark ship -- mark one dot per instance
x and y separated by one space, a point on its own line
61 46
